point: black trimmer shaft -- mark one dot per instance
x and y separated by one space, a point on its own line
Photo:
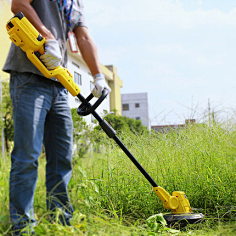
112 134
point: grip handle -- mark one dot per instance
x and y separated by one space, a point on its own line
86 108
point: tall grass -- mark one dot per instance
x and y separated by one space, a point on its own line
4 176
199 160
111 197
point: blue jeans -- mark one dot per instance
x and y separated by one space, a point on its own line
41 115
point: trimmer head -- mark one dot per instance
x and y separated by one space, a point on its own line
181 210
183 219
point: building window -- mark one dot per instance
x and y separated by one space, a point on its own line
137 118
137 105
77 78
76 65
125 107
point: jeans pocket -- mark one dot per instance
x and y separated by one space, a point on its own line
62 93
21 82
23 79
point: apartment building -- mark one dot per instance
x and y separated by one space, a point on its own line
176 127
135 106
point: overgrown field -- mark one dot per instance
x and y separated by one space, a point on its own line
111 197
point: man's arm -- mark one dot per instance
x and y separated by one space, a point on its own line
88 49
89 53
52 54
25 7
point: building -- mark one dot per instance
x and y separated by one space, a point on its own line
135 105
76 66
168 128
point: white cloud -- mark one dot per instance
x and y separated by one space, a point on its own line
179 53
208 60
177 48
200 2
111 54
164 12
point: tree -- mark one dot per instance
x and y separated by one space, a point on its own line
124 124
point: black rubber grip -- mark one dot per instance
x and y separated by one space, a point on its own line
86 108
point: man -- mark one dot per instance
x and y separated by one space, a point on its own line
40 107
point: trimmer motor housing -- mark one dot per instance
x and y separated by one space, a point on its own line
178 202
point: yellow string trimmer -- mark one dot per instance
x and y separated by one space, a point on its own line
24 35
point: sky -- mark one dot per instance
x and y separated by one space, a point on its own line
181 52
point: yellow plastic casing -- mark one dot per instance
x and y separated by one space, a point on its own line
178 202
24 35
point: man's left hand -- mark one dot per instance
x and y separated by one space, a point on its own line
99 85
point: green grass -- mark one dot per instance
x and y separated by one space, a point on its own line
111 197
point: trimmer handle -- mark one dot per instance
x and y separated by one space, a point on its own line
24 35
86 108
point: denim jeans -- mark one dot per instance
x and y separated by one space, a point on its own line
41 115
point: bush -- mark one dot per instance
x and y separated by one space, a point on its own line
82 134
124 124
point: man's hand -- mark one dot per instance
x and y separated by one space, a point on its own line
52 55
99 85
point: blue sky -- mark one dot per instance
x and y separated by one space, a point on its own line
181 52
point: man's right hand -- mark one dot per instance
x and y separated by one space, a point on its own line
52 55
